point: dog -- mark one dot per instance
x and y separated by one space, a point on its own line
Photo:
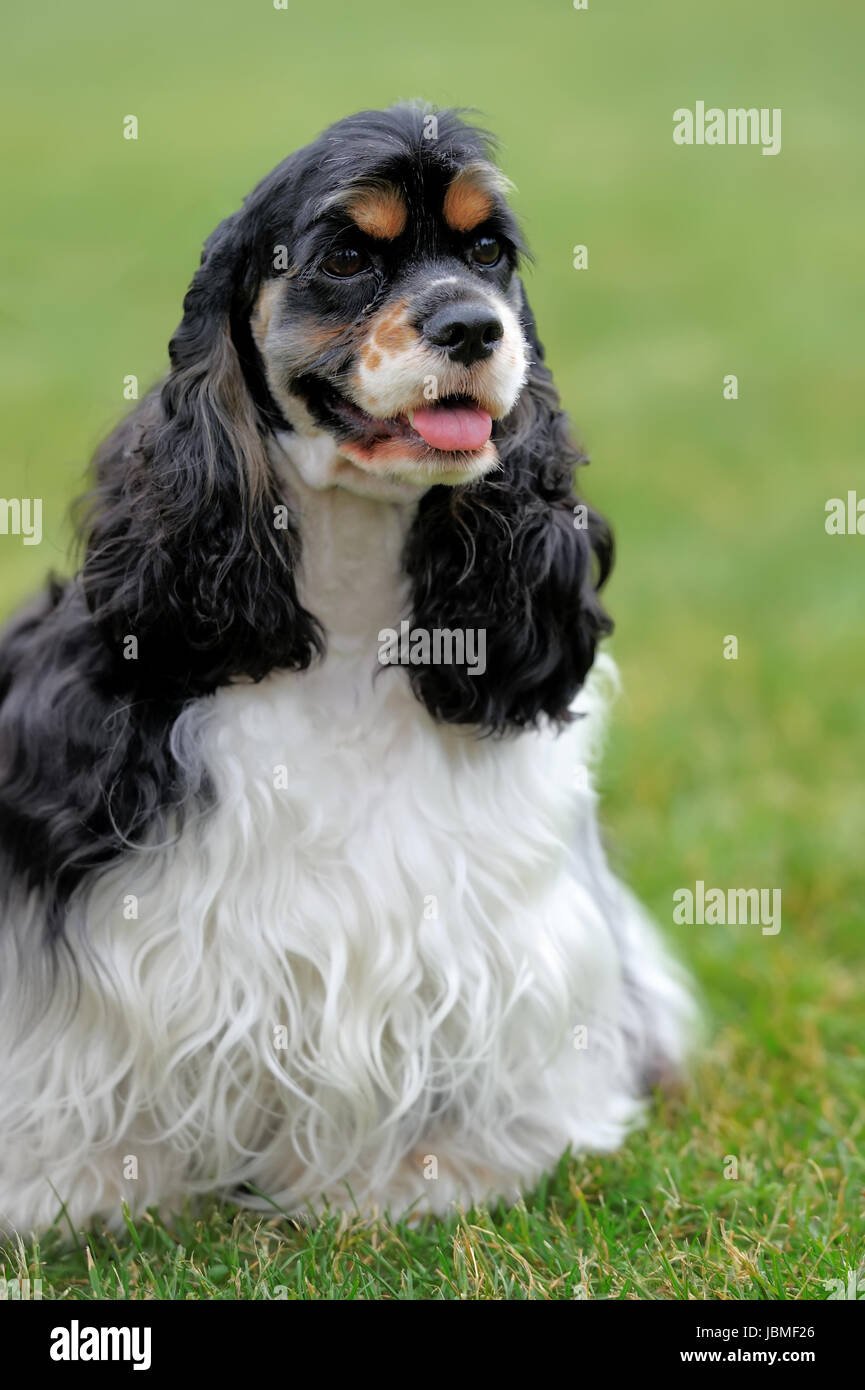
300 907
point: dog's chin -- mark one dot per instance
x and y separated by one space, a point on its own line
322 462
419 466
371 451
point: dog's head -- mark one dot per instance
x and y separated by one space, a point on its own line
388 316
365 306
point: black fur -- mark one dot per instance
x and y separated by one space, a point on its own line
181 553
181 550
84 769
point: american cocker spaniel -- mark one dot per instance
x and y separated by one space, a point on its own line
304 899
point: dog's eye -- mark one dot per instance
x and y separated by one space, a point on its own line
485 251
348 261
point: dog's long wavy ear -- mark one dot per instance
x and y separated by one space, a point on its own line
189 549
519 558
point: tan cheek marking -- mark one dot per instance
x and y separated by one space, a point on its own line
390 333
264 306
380 212
467 203
395 337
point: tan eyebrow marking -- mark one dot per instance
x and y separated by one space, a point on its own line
380 212
468 201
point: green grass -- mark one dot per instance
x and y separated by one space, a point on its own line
747 772
658 1220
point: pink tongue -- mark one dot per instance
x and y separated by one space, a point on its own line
453 427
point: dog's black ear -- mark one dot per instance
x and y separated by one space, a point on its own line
517 556
189 548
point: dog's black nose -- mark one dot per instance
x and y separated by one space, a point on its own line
468 332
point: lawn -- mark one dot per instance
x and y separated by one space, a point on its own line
702 262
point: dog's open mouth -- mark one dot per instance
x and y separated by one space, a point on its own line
453 424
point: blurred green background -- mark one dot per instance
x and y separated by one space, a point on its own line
702 262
